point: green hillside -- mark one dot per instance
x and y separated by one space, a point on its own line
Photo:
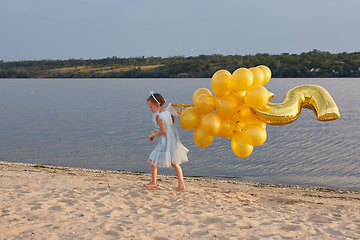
311 64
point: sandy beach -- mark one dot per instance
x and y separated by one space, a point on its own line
48 202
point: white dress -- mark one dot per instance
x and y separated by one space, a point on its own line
169 148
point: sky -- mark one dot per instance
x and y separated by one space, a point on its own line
94 29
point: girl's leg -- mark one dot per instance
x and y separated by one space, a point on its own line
180 177
153 183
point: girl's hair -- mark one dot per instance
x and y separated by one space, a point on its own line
158 97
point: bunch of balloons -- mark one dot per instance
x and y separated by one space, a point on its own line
229 113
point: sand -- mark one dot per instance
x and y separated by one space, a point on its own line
47 202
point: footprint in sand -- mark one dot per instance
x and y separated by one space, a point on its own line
213 220
290 227
5 213
158 216
249 210
319 219
99 204
134 194
105 213
176 223
198 233
35 205
103 194
126 222
197 213
117 228
68 201
55 208
112 233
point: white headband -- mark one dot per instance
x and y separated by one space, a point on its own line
152 94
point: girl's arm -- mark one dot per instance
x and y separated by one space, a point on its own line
162 130
173 118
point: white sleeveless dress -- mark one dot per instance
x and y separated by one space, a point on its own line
169 148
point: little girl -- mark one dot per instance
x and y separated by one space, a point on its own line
169 151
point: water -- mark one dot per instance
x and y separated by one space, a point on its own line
104 124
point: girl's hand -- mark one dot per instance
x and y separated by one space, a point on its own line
151 137
159 133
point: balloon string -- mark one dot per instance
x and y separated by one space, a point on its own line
179 107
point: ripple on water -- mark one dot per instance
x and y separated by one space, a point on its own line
105 124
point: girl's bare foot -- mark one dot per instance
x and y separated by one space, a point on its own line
180 188
150 185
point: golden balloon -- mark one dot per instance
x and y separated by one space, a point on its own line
222 71
227 128
211 124
238 96
201 91
251 119
201 139
259 76
221 84
242 79
225 107
312 97
189 118
231 135
237 116
239 146
237 127
204 104
267 73
254 134
264 108
256 97
245 110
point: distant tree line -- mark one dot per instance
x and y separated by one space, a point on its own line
311 64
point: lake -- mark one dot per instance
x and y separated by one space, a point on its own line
105 123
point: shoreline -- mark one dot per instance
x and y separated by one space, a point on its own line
43 201
190 178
